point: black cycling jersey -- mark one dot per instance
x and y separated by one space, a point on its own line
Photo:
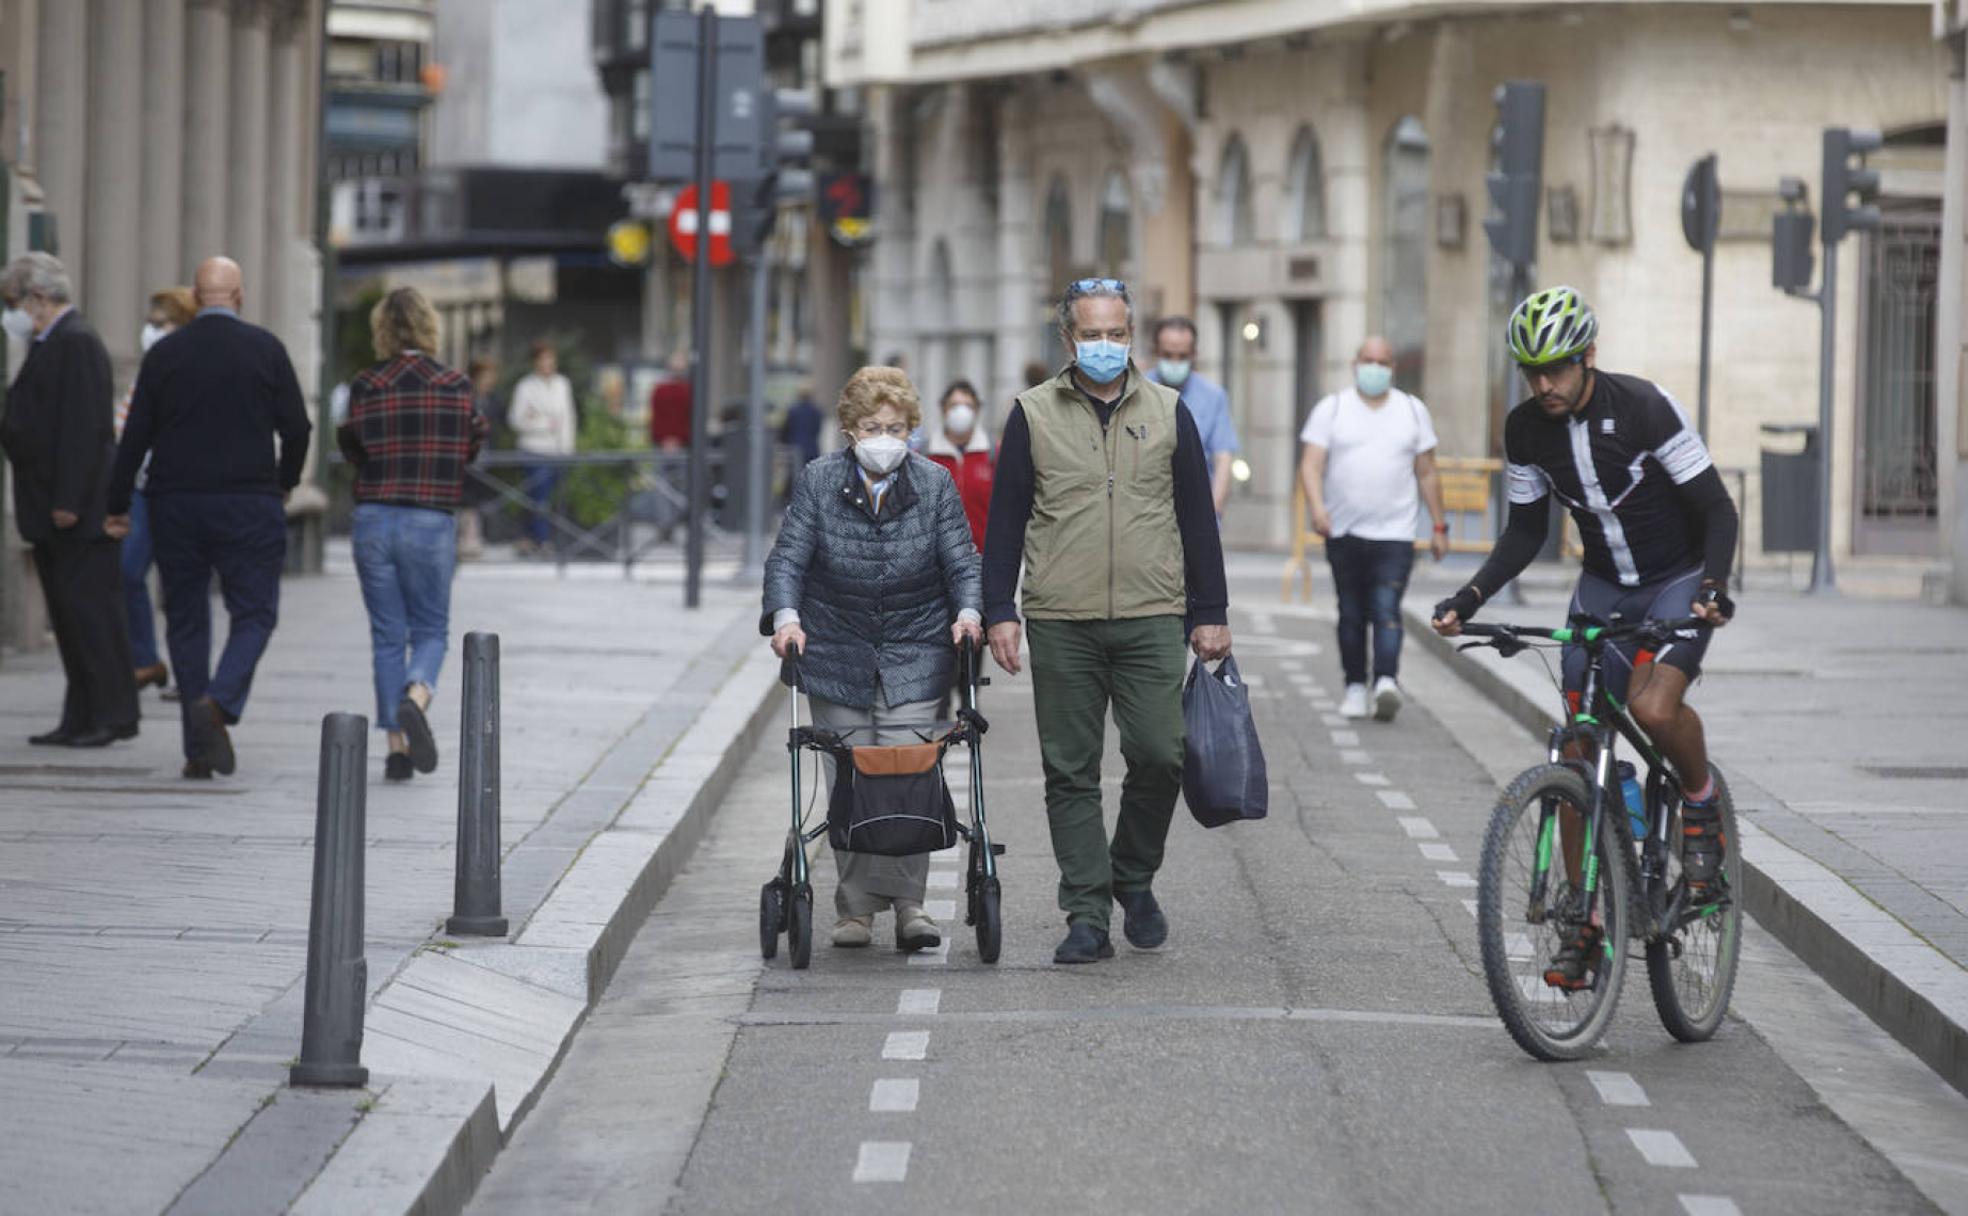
1623 465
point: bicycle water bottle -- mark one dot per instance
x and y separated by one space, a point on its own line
1636 801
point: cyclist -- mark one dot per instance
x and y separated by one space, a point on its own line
1659 531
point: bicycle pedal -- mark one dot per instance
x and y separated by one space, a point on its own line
997 850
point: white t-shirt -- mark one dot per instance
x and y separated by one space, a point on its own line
1371 491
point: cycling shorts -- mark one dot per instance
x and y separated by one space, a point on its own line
1664 599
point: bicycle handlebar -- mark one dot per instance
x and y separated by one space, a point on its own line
1586 630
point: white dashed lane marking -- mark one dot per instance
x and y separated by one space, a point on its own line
895 1095
1395 800
1438 852
1709 1205
906 1045
1618 1089
941 909
919 1000
1333 719
1456 878
943 880
1370 778
1469 906
1354 756
1417 828
1345 738
1662 1148
883 1161
932 958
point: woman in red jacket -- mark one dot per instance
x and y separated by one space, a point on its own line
962 447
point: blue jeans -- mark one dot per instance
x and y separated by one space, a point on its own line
541 482
138 553
243 539
1369 579
404 557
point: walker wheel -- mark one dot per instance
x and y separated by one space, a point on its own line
990 922
772 917
799 930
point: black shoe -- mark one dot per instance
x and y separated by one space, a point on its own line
57 737
1083 944
396 767
417 729
1702 846
197 770
210 739
1577 961
1143 924
102 736
121 733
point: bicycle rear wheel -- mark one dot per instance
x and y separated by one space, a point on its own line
1692 970
1522 927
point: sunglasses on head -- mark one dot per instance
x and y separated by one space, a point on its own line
1081 287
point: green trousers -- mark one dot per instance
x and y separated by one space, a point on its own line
1078 668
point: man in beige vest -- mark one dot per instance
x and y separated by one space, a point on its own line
1103 494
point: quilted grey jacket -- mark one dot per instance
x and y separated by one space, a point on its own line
876 593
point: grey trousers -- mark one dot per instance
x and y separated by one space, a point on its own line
868 883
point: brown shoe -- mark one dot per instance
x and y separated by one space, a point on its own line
212 740
157 675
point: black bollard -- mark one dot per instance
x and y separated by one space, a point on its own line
337 973
475 897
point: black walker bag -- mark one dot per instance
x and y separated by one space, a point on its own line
891 801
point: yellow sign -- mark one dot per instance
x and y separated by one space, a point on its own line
853 230
628 243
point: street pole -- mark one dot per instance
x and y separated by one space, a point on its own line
757 448
1708 325
1822 580
700 309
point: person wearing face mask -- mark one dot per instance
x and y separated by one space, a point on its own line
1209 405
1368 465
1103 496
170 308
874 578
963 448
57 433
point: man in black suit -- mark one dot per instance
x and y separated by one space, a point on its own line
211 398
57 432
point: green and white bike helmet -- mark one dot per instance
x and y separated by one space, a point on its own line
1550 326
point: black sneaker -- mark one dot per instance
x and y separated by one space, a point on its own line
1083 944
1577 960
396 767
1142 924
1702 847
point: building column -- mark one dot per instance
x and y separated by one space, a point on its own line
61 127
161 257
246 210
1020 311
207 130
114 292
1951 345
288 181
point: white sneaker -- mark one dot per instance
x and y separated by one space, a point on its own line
1386 698
1354 703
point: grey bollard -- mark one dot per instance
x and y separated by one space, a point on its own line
475 898
337 973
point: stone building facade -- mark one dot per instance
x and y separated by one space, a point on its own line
1298 175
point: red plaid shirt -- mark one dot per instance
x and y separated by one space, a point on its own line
411 431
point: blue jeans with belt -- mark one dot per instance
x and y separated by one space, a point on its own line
1369 579
404 557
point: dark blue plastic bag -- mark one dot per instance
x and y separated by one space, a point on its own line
1223 775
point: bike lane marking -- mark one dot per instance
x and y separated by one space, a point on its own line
1354 755
1395 800
1346 738
919 1000
940 909
1418 828
895 1096
1709 1205
906 1045
1617 1088
1371 778
1435 851
1661 1147
1456 878
883 1161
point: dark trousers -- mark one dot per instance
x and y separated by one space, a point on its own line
1369 579
1079 668
81 580
137 556
243 539
541 482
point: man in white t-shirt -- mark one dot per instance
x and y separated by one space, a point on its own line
1369 463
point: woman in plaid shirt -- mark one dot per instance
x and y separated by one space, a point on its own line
410 432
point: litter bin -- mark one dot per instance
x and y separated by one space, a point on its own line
1790 489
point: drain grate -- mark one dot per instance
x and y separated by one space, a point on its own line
1918 772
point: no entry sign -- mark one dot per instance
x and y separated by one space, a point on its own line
685 225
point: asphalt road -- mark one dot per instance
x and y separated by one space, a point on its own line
1314 1037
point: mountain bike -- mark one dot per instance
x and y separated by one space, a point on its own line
1561 855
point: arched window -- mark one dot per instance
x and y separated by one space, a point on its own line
1116 249
1058 234
1404 267
1305 208
1234 225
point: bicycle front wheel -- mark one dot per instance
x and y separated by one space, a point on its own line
1530 900
1692 969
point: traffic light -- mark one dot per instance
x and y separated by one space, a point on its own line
1845 180
1790 240
782 173
1517 184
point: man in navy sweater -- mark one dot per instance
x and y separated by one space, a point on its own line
211 398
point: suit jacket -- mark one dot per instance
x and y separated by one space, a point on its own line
211 396
59 433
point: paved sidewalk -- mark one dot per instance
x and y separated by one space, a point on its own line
1845 734
153 930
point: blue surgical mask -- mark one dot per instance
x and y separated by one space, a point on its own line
1173 372
1102 360
1373 379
